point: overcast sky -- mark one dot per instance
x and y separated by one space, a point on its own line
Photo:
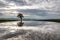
37 8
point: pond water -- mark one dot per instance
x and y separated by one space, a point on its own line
29 29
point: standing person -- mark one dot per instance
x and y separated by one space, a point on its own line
20 16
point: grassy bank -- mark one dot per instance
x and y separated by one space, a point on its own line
51 20
7 20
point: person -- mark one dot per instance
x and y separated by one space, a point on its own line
20 16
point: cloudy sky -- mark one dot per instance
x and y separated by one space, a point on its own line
41 9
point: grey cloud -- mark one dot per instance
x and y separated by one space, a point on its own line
1 14
29 2
17 2
36 2
34 12
37 12
2 4
41 13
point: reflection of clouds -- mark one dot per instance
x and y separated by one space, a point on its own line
42 27
39 23
33 25
30 23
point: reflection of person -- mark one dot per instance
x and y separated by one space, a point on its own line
20 24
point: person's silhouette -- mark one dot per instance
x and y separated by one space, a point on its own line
20 16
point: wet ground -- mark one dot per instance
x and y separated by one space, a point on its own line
31 30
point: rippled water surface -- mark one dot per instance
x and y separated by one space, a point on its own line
31 30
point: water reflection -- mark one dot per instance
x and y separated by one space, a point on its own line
20 24
33 29
29 24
